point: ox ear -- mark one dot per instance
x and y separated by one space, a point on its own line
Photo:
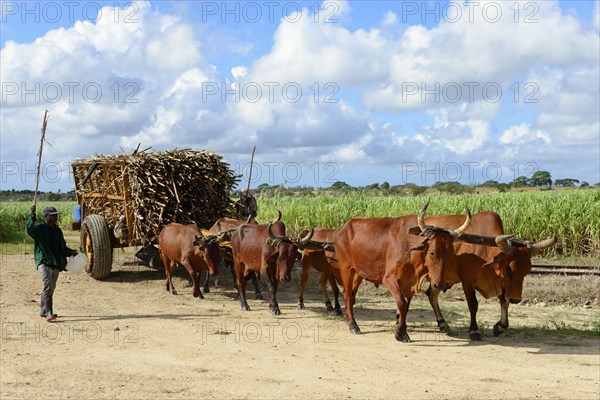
413 230
418 247
496 261
197 241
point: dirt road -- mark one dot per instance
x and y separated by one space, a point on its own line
126 337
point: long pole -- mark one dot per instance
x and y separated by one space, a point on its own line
37 176
250 175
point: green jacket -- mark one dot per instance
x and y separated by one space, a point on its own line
41 250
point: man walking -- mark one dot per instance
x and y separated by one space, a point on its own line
50 253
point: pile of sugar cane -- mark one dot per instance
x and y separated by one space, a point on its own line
183 186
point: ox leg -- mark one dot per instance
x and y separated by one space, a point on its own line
474 333
272 284
303 280
402 304
347 276
169 268
206 282
241 284
195 275
257 292
231 269
433 294
502 325
336 293
355 285
323 286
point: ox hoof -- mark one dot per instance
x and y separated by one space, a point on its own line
301 306
174 292
245 307
329 307
404 338
338 311
275 312
498 329
259 296
355 331
475 336
206 289
444 327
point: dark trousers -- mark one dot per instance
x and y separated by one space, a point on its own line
49 277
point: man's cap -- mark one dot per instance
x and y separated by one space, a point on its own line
50 211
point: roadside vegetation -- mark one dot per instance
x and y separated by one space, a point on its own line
572 214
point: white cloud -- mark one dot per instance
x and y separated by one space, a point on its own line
479 51
308 52
569 110
239 72
522 133
390 18
161 64
158 133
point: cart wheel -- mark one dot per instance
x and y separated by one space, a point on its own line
95 241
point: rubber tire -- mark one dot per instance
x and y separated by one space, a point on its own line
99 251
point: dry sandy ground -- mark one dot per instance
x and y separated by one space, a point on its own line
126 337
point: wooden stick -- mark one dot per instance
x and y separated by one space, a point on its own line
250 175
37 176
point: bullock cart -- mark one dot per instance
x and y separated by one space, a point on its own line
125 200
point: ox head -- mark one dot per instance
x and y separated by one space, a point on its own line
287 249
513 263
438 248
209 249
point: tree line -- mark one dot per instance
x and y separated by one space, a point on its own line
27 195
540 179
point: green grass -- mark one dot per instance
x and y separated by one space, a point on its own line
13 216
573 215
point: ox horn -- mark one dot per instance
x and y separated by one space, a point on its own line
202 241
249 220
308 236
421 216
271 234
278 217
458 232
544 244
503 244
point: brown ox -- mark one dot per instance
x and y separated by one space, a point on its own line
263 249
225 225
492 271
381 251
186 245
324 262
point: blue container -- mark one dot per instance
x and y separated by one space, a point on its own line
77 214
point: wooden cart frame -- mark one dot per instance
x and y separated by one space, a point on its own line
103 192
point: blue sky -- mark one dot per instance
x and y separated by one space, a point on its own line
358 91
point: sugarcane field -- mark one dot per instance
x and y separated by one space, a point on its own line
342 199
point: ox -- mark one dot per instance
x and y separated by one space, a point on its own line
492 271
226 226
266 250
188 246
381 251
324 262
